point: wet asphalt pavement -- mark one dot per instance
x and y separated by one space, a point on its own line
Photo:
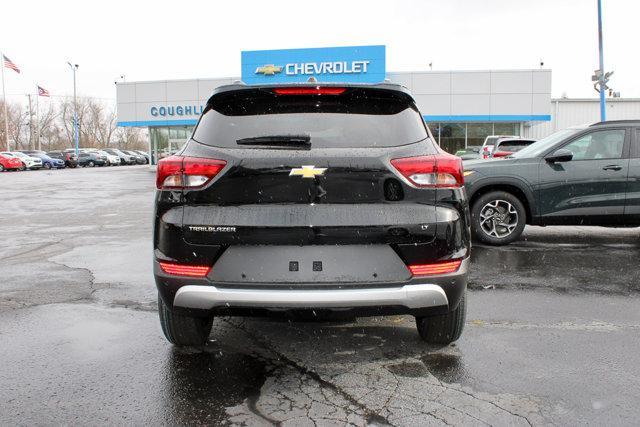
552 333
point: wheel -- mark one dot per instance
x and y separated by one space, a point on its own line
444 328
181 330
1 168
91 164
47 165
498 218
23 167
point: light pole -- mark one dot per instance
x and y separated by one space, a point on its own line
74 68
603 110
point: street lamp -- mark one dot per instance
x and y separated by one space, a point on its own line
74 68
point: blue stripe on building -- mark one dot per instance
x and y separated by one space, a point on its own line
152 123
427 118
488 118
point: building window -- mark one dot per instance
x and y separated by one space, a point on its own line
452 136
165 141
456 136
158 141
477 132
506 129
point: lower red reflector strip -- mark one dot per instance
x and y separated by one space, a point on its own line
437 268
184 270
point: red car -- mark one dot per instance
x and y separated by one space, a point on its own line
9 163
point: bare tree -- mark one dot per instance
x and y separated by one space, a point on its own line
97 126
46 126
129 138
18 126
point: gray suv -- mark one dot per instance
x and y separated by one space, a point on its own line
578 176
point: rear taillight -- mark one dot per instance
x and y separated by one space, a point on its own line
184 270
441 170
176 172
436 268
318 90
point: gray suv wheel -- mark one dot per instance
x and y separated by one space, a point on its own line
498 218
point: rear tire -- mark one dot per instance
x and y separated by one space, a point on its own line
444 328
498 203
181 330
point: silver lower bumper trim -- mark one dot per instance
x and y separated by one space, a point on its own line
410 296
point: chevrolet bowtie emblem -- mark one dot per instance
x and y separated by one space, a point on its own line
269 69
307 171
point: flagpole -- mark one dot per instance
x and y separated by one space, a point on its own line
4 103
31 141
38 117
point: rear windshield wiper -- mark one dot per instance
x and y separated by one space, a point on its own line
277 140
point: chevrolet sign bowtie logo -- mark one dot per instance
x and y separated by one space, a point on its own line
307 171
269 69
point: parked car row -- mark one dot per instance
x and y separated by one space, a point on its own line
495 146
59 159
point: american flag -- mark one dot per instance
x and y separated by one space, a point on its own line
42 91
9 64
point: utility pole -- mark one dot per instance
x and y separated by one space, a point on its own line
38 118
74 68
601 79
30 123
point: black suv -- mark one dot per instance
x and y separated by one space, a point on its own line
578 176
70 158
310 200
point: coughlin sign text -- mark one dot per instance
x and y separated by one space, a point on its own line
180 110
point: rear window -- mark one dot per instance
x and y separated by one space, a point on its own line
513 146
491 141
357 118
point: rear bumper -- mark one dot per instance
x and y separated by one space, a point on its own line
416 296
410 296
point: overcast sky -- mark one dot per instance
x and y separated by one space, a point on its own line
155 40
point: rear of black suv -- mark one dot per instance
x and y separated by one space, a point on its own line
291 200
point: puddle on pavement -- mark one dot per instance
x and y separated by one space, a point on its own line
201 384
445 367
408 369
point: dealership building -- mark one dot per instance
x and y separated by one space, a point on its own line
460 107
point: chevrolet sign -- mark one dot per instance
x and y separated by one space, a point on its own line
364 64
